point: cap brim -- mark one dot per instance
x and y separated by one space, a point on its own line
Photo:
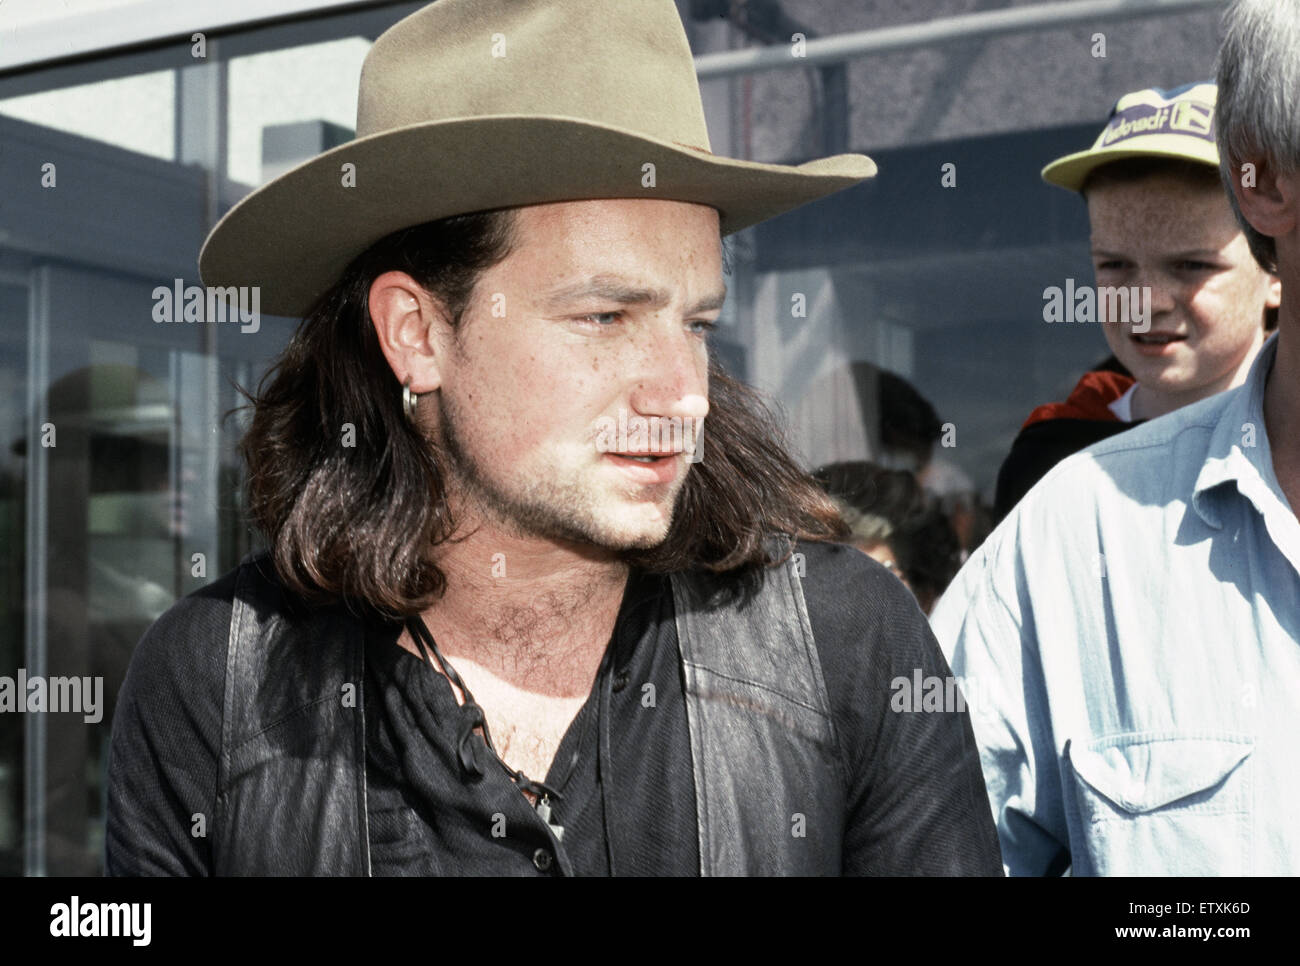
1072 170
294 236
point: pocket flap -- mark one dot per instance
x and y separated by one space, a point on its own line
1143 772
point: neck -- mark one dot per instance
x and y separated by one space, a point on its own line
516 605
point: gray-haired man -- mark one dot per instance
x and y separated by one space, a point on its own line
1133 624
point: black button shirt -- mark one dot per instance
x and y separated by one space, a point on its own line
625 754
915 797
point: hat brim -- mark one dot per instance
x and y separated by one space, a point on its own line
1072 170
294 236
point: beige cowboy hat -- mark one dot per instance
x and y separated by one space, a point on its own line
468 105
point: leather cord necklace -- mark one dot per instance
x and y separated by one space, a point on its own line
473 717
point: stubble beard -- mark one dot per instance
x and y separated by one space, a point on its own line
541 508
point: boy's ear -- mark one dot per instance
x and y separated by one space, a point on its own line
1268 198
412 328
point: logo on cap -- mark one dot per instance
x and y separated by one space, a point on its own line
1192 118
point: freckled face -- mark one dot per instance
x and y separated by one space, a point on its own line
1208 294
603 305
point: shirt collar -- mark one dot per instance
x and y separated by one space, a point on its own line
635 618
1239 450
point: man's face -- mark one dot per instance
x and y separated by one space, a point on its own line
1207 292
602 306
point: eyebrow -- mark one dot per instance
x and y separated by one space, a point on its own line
609 288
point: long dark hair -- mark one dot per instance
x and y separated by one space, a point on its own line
355 513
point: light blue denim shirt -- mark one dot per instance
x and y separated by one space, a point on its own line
1129 641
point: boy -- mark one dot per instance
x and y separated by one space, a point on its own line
1160 220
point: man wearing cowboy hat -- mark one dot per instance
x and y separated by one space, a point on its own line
517 616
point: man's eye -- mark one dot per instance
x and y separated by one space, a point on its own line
602 319
1191 265
1111 265
703 326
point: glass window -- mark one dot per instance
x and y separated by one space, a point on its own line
121 481
937 281
136 113
13 556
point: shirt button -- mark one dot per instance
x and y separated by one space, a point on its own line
542 859
620 681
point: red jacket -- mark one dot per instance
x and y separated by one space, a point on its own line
1090 399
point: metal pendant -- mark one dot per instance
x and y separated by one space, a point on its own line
544 810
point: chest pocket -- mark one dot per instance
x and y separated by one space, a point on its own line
1163 803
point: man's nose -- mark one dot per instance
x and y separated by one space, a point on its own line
672 378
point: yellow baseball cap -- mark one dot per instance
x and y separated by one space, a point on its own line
1178 123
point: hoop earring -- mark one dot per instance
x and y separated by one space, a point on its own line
409 399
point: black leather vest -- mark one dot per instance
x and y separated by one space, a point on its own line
769 782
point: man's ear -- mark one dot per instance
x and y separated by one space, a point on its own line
413 328
1267 198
